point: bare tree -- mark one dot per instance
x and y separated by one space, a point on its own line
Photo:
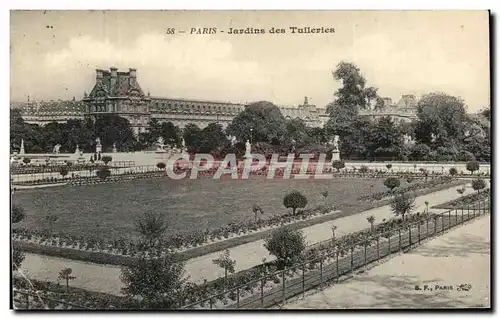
65 274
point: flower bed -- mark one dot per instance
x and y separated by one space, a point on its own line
442 180
466 201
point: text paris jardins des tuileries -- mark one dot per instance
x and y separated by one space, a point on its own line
273 30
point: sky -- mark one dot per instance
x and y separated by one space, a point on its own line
54 54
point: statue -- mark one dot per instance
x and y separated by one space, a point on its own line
56 149
77 151
114 147
98 146
161 144
248 149
336 142
233 140
21 151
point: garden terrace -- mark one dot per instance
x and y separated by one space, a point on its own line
186 245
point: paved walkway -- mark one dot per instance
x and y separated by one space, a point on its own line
461 256
91 276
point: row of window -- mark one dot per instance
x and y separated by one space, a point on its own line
217 108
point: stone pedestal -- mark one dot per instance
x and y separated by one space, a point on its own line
335 156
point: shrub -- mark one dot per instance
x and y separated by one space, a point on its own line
472 166
17 213
26 160
363 169
453 171
106 159
294 200
338 165
391 183
478 185
103 173
286 245
388 166
63 170
402 204
161 165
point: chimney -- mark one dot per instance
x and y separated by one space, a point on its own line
306 102
98 75
112 84
133 73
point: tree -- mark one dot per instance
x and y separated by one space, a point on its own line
51 219
420 152
111 128
478 185
402 204
259 122
63 170
213 139
65 274
294 200
256 210
453 171
371 220
192 137
106 159
286 245
157 282
26 160
226 263
161 165
363 169
297 133
388 166
391 183
103 173
151 228
426 206
461 191
338 165
472 166
17 213
325 195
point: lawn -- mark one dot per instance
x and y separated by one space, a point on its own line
110 210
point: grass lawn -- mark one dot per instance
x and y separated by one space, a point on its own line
110 210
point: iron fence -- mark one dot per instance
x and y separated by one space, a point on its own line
336 261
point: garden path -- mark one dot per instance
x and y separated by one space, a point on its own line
461 256
106 278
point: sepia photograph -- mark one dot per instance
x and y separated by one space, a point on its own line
250 160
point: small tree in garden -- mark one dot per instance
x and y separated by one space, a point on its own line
295 200
157 282
388 166
453 171
402 204
286 245
371 220
151 227
65 274
333 232
103 173
325 195
461 191
161 166
338 165
257 210
363 169
426 206
63 170
225 262
26 160
106 159
472 166
478 185
409 179
424 172
391 183
51 219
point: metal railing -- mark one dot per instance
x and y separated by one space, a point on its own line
24 300
334 262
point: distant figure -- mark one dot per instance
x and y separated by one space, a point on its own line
56 149
248 147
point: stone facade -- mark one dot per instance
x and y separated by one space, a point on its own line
405 110
117 92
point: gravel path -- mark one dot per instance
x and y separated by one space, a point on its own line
462 256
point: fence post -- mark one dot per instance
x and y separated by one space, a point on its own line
449 219
352 257
389 244
366 245
479 206
435 225
238 297
262 291
284 287
211 303
337 266
303 279
378 247
427 228
418 232
456 217
321 272
399 238
27 297
409 232
462 207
